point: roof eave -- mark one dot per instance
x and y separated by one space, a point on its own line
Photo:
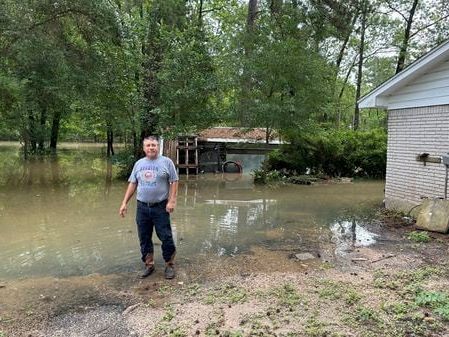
376 98
373 102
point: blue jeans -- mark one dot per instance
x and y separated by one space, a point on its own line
154 216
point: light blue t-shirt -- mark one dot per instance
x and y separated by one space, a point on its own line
153 178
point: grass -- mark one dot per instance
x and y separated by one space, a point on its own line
399 309
169 314
407 282
316 328
165 289
231 334
287 295
177 332
338 290
366 315
193 289
437 301
419 236
228 294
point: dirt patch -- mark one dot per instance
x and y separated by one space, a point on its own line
397 287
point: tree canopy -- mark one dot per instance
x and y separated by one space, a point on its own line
98 70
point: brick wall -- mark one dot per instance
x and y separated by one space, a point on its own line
411 132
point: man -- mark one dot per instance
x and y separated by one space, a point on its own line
156 181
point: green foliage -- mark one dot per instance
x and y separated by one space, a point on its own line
228 293
85 70
438 301
124 160
379 70
399 309
188 82
177 332
338 290
333 152
51 63
419 236
316 328
431 299
287 295
169 314
366 315
262 176
407 283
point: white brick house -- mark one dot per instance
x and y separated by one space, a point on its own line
417 100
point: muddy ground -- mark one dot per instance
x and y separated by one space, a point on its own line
397 287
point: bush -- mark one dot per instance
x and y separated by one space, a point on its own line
263 176
334 153
125 161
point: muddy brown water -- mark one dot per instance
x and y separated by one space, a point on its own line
59 216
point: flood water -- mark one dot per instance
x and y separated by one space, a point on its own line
59 216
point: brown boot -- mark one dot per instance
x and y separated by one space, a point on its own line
169 271
149 266
170 268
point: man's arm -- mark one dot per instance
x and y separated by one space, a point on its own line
172 194
128 194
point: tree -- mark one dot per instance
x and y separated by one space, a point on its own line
188 83
406 39
47 48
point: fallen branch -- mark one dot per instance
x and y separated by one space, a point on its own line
384 258
131 308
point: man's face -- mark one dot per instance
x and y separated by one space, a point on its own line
151 148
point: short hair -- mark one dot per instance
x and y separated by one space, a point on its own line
153 138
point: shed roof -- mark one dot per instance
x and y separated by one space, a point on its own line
377 97
236 134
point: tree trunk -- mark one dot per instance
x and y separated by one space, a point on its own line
252 14
360 65
200 13
41 132
406 40
245 101
267 134
25 134
276 7
32 132
345 42
338 64
110 140
55 130
136 145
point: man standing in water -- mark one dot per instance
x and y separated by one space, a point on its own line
156 181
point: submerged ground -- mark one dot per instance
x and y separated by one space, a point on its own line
397 287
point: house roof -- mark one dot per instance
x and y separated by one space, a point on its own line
377 97
234 134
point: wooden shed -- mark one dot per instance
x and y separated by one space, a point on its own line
417 101
211 149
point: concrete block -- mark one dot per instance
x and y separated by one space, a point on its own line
434 216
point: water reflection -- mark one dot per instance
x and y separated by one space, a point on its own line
58 216
348 235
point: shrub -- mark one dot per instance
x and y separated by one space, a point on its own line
333 153
125 161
